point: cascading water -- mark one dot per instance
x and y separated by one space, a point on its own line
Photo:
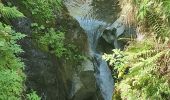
83 12
103 73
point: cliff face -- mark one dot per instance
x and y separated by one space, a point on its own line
61 78
56 78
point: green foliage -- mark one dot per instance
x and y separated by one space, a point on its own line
55 41
8 12
11 76
166 6
43 11
33 96
117 59
138 71
11 85
11 66
143 9
73 54
45 35
9 47
155 13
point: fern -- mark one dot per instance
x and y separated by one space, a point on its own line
155 13
43 11
33 96
140 63
155 22
9 12
166 6
147 65
54 40
11 66
142 81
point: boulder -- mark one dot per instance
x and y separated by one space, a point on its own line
118 33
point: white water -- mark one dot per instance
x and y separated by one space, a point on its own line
93 29
103 74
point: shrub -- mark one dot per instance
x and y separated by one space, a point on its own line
11 75
43 11
54 41
33 96
137 69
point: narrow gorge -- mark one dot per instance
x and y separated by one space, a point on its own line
84 50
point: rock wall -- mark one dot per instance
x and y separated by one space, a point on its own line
79 78
57 78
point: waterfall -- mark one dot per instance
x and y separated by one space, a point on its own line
83 13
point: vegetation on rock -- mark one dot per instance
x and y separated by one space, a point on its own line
142 69
11 66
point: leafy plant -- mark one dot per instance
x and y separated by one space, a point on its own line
33 96
9 12
9 47
43 11
11 75
142 67
11 66
143 9
117 59
138 68
156 14
166 6
55 41
11 84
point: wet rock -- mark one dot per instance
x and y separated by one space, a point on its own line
117 33
58 79
84 85
80 77
41 68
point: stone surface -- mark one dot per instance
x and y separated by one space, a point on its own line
80 79
42 69
58 79
122 29
118 33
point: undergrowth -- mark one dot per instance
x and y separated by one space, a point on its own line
141 70
12 77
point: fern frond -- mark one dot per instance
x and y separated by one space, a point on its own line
144 53
9 12
154 22
148 64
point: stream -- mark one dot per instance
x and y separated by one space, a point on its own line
93 26
88 14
